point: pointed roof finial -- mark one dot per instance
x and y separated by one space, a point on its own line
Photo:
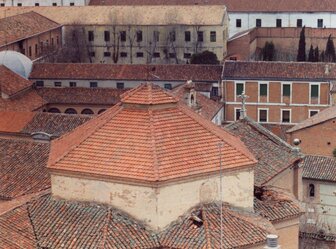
243 97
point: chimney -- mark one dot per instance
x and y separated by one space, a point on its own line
272 242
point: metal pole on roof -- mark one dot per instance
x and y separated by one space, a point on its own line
220 145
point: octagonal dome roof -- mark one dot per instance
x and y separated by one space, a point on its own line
16 62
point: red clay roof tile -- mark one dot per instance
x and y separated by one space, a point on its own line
148 144
12 83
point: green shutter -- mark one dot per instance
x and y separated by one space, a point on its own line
286 90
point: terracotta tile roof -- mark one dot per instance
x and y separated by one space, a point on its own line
277 205
239 229
147 144
148 94
127 15
319 168
273 154
22 26
12 83
206 107
26 102
125 72
50 223
320 117
318 236
203 87
279 70
22 167
16 231
55 124
81 95
11 121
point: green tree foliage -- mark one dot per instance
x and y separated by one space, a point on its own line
316 54
322 56
311 56
206 57
330 55
301 56
268 51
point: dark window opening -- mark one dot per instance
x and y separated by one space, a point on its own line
258 23
54 4
299 23
139 54
39 83
123 54
87 111
72 4
156 36
237 114
168 86
238 23
200 36
93 84
91 36
92 54
186 55
156 55
172 55
214 91
120 85
70 111
106 36
239 88
320 23
58 84
312 113
187 36
311 190
139 36
285 116
263 90
37 4
262 115
54 110
278 23
314 91
172 36
286 90
72 84
107 54
19 4
123 36
212 36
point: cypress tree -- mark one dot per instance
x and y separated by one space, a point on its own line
301 56
322 57
330 55
311 54
316 54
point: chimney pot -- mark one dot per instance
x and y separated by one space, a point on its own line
272 242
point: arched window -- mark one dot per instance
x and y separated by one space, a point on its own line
101 110
87 111
311 190
70 111
54 110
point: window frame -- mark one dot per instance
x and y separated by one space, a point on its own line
312 110
259 89
123 54
107 36
139 37
278 23
93 84
290 116
258 23
138 54
123 36
120 85
200 36
310 92
238 22
267 115
299 23
168 86
236 93
90 35
57 83
72 84
187 34
320 23
236 109
213 36
311 190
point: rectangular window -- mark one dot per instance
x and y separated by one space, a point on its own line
2 4
139 54
263 115
285 116
72 84
212 36
299 23
57 84
237 113
172 55
72 4
286 90
123 36
278 23
313 112
263 90
168 86
186 55
139 36
106 36
200 36
320 23
172 36
93 84
90 36
239 88
54 4
123 54
92 54
238 23
52 41
120 85
36 49
258 23
156 55
214 91
37 4
107 54
19 4
314 91
57 40
39 83
156 36
30 51
187 36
